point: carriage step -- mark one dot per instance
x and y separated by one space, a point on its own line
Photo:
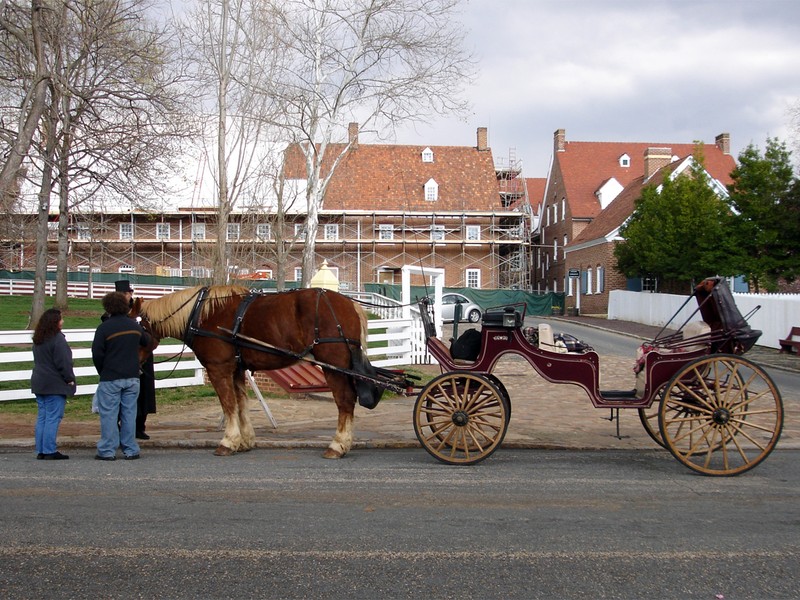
300 378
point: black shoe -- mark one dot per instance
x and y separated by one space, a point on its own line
98 457
39 456
141 435
55 456
131 456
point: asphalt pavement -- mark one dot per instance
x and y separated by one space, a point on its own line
544 415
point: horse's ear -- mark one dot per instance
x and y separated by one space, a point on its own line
136 309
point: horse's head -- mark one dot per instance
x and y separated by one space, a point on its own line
137 313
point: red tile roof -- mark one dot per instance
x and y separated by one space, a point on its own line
585 166
536 188
392 177
615 214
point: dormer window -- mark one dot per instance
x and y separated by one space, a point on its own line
624 161
431 191
427 155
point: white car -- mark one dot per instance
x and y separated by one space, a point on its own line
469 310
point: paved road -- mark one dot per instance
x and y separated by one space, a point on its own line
396 524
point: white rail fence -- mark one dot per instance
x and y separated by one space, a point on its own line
401 342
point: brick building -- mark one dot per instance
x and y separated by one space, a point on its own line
591 191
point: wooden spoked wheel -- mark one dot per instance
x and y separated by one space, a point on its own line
721 415
461 418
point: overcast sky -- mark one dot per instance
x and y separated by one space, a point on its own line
626 70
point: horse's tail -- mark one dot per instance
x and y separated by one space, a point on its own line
368 392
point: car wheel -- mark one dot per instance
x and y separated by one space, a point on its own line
474 315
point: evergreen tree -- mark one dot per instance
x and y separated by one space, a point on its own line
677 232
766 205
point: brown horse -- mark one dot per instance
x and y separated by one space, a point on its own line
231 329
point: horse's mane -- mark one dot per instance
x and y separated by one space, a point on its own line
169 315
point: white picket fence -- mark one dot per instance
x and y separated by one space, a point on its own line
402 343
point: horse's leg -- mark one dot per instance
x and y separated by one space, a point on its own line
345 398
221 378
245 424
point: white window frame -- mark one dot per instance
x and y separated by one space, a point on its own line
162 231
431 191
564 248
233 232
385 231
298 273
263 231
198 231
437 233
331 232
83 231
472 277
299 230
427 155
199 272
126 269
473 233
125 231
601 283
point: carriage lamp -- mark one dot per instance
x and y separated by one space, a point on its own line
509 317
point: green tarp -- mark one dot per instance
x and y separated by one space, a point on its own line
536 304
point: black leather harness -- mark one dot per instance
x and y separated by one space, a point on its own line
193 329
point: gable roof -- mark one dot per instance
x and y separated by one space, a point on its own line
616 213
536 187
392 177
585 166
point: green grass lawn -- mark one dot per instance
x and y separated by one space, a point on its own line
81 313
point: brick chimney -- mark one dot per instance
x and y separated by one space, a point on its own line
560 140
654 159
352 135
483 139
723 142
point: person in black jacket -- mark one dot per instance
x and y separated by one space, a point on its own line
115 354
52 380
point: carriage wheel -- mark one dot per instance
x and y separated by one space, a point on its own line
649 418
461 418
721 415
502 389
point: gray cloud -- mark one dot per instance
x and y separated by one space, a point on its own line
615 70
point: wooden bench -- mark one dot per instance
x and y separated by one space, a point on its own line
792 341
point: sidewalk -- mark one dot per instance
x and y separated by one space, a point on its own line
544 415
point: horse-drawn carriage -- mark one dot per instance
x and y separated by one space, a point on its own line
715 411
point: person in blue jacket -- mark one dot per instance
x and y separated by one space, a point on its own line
52 380
115 354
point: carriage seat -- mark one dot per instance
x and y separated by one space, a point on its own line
502 317
546 341
695 329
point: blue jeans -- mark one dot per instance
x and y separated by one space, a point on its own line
116 402
51 411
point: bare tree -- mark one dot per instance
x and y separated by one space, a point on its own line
376 62
116 108
231 51
21 46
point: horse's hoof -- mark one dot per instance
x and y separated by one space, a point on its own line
223 451
330 453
